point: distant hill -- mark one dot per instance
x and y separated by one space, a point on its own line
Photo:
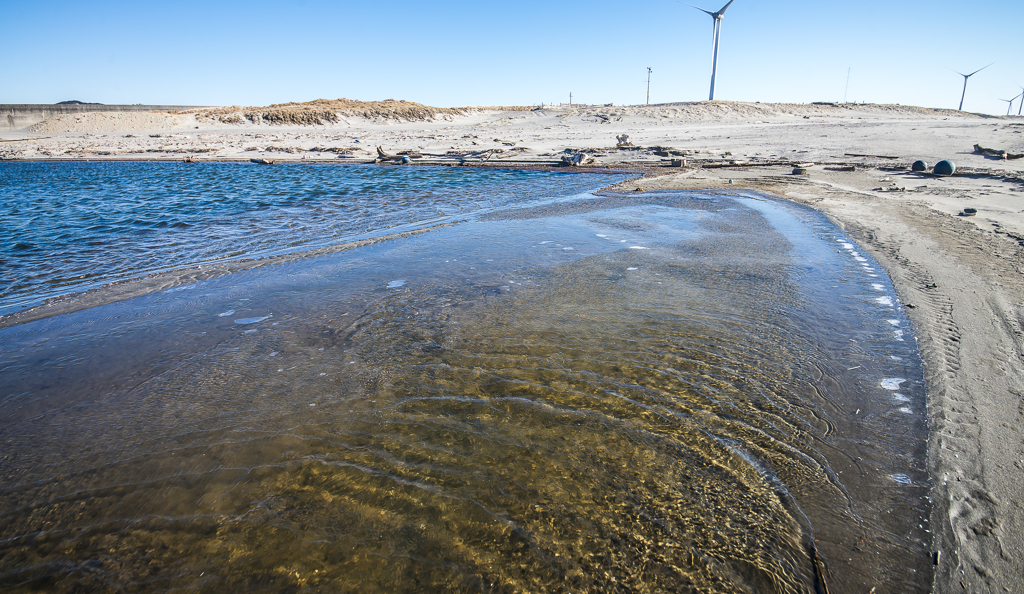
76 102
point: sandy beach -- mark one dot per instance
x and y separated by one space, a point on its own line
959 276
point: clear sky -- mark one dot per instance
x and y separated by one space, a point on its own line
460 53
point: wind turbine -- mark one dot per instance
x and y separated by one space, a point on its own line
1021 97
967 76
1009 104
717 16
1021 101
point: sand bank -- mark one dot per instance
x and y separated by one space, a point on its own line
960 277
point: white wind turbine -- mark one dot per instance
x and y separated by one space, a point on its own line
1019 107
1009 104
717 16
967 76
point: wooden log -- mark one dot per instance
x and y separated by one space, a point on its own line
871 156
997 153
383 157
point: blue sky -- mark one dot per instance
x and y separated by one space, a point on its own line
522 53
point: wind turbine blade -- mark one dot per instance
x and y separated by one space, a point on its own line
724 8
978 70
711 14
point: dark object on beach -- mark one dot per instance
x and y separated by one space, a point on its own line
799 171
846 168
190 159
77 102
944 167
383 157
969 212
871 156
919 166
262 161
997 153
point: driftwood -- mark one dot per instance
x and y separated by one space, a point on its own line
997 153
725 164
190 159
577 159
262 161
871 156
623 140
383 157
734 163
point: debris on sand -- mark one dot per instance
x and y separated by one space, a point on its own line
997 153
576 159
944 168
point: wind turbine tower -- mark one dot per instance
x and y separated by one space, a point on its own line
967 76
1009 104
1021 97
717 16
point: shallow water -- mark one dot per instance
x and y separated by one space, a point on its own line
673 392
69 227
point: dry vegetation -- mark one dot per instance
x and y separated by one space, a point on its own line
328 111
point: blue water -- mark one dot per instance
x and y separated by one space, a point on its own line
68 227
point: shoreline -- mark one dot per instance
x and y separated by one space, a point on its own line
969 330
960 278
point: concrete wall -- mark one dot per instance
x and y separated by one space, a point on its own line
18 116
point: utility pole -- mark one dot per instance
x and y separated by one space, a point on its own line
648 85
570 99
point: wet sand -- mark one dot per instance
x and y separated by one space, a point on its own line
959 277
